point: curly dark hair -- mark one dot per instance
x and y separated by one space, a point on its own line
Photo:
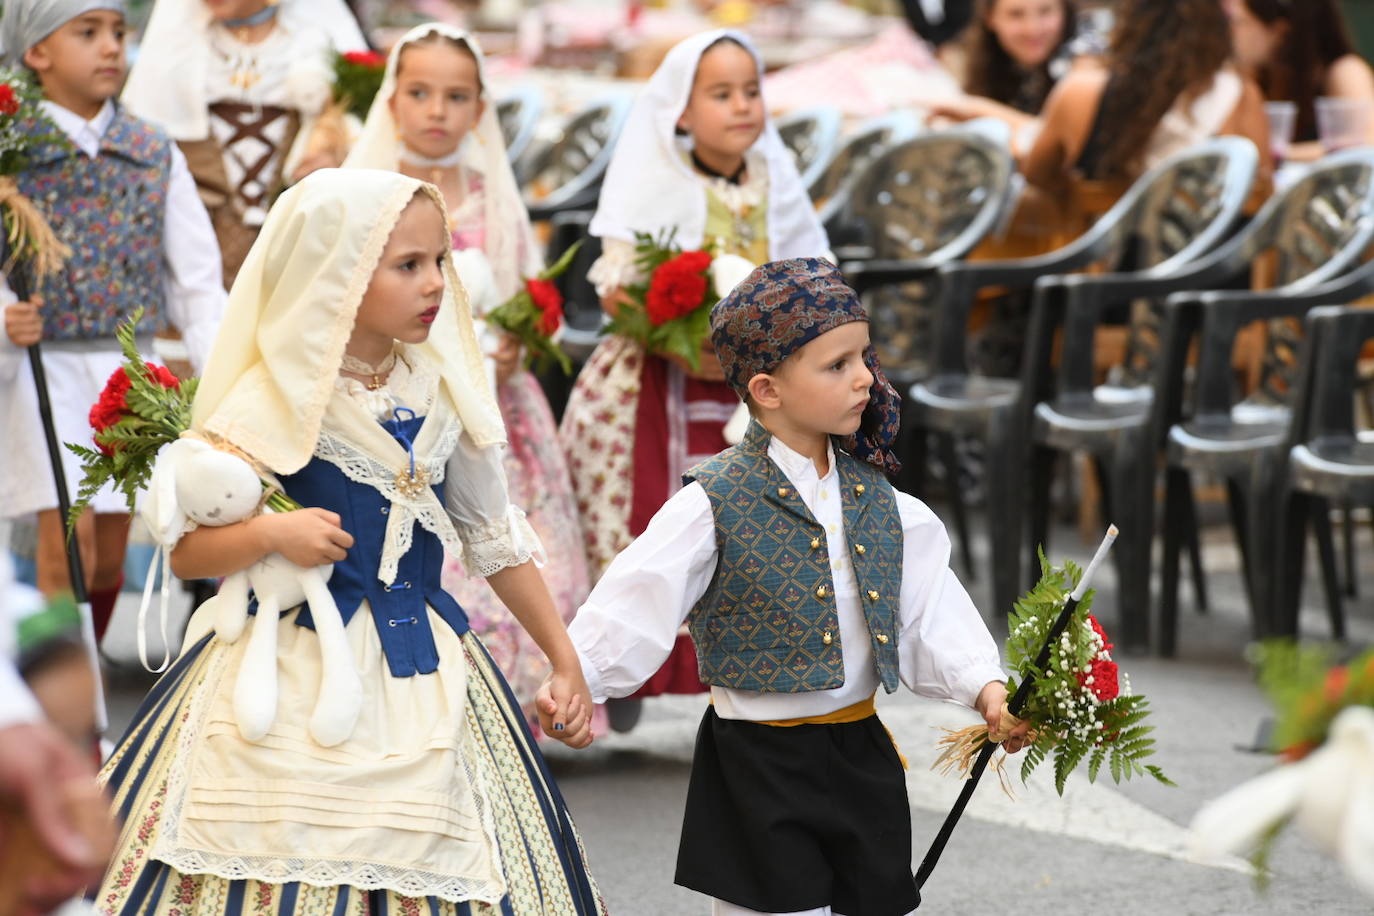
1161 51
991 72
1317 37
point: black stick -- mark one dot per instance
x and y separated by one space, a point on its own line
1014 706
18 280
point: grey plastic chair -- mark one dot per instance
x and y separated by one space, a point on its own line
920 205
812 134
572 165
518 114
1319 229
1326 459
1174 213
831 193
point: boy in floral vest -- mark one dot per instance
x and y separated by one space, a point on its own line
807 582
117 192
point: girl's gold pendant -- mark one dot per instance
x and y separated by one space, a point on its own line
410 484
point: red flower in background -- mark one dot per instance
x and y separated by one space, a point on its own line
365 59
9 103
546 297
677 287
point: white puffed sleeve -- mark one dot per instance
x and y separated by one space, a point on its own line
495 533
615 268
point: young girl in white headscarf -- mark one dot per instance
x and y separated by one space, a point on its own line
348 370
241 85
699 156
433 119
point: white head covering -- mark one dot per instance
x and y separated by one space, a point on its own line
25 23
271 373
649 186
167 84
510 246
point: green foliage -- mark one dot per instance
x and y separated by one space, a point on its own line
682 337
1069 720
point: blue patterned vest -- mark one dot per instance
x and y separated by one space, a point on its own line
110 211
767 621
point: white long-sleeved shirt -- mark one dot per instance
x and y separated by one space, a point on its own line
626 628
194 283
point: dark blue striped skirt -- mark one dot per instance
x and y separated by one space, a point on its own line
539 853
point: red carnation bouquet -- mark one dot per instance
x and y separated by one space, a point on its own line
357 80
142 408
535 314
1080 705
669 313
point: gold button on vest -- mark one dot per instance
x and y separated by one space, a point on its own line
859 489
859 548
873 596
815 543
882 638
827 638
783 491
821 591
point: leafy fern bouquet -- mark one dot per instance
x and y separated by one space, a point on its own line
1080 705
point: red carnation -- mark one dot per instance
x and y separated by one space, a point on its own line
112 406
365 59
1104 674
551 319
9 103
544 294
677 287
1101 634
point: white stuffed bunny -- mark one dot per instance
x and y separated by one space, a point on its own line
194 482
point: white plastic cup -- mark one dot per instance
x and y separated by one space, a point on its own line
1283 118
1344 122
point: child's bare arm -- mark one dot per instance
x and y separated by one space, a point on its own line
306 537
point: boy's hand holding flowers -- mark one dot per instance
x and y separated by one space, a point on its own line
992 706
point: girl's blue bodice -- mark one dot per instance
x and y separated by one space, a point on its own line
398 609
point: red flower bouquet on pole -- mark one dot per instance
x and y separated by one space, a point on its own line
670 313
1080 704
535 314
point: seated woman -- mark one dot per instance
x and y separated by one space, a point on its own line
1299 52
1168 84
1007 61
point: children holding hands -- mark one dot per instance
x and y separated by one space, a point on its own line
807 582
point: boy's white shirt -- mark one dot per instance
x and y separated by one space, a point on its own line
194 284
627 627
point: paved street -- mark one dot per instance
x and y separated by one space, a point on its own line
1101 848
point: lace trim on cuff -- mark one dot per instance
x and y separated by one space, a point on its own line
500 543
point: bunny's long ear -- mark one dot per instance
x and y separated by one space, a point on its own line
160 509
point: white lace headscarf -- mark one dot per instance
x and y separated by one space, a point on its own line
650 187
271 373
510 246
168 84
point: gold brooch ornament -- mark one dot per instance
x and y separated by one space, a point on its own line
411 483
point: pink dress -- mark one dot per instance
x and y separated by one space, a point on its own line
537 476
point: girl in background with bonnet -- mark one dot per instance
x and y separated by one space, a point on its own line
433 119
241 85
348 372
698 156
